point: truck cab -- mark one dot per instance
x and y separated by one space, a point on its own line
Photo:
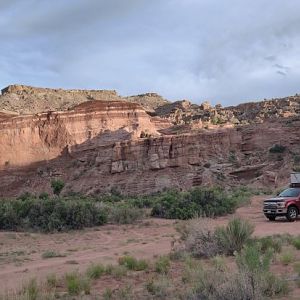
287 204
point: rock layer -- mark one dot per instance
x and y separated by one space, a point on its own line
32 138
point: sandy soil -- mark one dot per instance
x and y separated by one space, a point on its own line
21 253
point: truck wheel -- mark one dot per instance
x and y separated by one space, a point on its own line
292 213
272 218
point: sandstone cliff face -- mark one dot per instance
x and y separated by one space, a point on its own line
145 165
96 146
32 138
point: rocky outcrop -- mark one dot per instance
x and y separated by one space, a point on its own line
23 99
184 112
149 101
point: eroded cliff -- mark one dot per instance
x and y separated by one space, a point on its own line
99 146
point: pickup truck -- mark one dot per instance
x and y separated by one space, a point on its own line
287 204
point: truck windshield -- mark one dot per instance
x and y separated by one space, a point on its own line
290 193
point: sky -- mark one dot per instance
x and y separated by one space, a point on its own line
226 52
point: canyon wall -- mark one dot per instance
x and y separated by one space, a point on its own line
32 138
226 157
99 146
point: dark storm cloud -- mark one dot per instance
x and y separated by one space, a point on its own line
226 51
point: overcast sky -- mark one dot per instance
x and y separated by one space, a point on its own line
225 51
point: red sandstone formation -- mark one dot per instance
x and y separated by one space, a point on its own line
33 138
98 146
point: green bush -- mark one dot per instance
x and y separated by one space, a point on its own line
198 202
57 186
255 266
251 260
123 213
277 149
48 215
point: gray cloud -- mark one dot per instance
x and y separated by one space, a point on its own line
227 52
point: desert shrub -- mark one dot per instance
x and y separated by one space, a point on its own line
124 293
270 242
44 195
172 205
133 264
57 186
48 215
107 294
52 281
296 158
234 236
213 284
198 202
77 284
251 260
95 271
297 268
277 148
274 286
31 290
201 240
286 258
256 267
123 213
52 254
116 271
252 280
274 243
162 265
219 263
159 288
296 242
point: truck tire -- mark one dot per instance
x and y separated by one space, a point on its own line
271 218
292 213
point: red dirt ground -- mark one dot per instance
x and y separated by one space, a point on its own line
21 253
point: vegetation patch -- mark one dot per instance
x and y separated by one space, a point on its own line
208 202
48 215
133 264
52 254
277 149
